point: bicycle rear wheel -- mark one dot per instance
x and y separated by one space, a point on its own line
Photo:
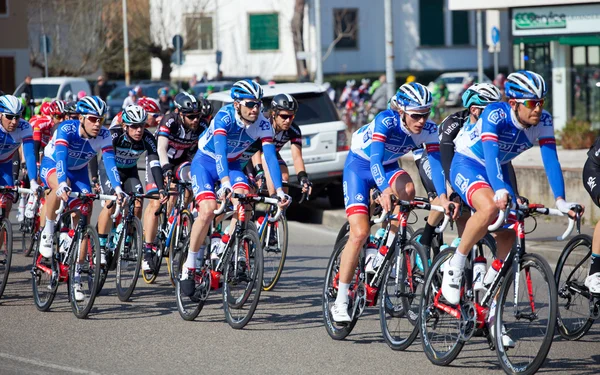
243 280
274 253
183 232
6 249
401 296
190 307
129 260
44 275
89 273
531 321
574 318
440 331
150 277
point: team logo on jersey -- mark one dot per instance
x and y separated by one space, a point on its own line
496 116
60 169
451 128
591 182
359 197
461 183
389 122
368 135
265 125
499 176
427 168
377 174
206 186
218 159
68 127
239 179
345 189
430 127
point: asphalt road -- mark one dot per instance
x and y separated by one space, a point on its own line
286 334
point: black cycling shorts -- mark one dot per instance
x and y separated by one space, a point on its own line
425 174
130 180
591 180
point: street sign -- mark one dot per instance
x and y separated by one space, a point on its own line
178 41
45 44
219 57
495 35
177 56
178 60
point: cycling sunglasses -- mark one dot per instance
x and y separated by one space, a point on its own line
193 117
531 103
250 104
418 116
135 126
94 119
59 117
12 117
154 115
285 117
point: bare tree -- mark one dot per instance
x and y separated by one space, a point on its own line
344 26
298 33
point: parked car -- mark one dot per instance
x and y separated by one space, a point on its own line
115 99
201 88
457 83
64 88
324 140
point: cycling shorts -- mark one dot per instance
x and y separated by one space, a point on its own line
129 177
79 179
358 182
591 180
425 173
182 173
204 175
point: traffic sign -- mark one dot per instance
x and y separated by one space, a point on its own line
178 60
495 35
219 57
45 44
178 41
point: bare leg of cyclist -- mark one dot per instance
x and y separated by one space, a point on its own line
403 188
150 220
104 225
52 204
285 177
433 220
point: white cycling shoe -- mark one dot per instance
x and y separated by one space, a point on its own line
46 245
451 283
339 313
78 293
592 282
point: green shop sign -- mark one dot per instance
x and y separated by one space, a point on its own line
534 21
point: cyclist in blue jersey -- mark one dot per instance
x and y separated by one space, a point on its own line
373 162
479 170
14 132
235 127
64 167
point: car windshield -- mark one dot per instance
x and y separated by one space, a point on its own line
40 90
119 93
312 108
452 80
152 90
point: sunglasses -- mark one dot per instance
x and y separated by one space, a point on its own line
532 103
419 116
12 117
285 117
154 115
193 117
94 119
59 117
74 116
250 104
136 126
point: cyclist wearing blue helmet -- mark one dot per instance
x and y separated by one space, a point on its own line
373 162
479 168
235 127
66 157
14 132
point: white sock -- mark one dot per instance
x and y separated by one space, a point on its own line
458 260
190 261
342 296
49 227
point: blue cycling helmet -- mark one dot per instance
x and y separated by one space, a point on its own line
10 105
481 94
134 114
246 89
91 105
413 96
525 84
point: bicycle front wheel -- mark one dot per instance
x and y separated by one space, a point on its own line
129 260
84 276
190 307
6 249
243 278
183 232
526 311
274 251
44 275
27 242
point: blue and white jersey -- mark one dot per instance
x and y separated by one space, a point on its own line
10 142
498 137
385 139
71 151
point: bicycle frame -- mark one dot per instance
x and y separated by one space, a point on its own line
167 229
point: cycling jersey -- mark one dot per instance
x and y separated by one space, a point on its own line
385 139
448 130
9 144
292 135
182 140
69 151
498 137
42 130
594 152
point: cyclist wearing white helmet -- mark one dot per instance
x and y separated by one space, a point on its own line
372 162
479 168
235 127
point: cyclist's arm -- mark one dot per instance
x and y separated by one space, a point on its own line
30 158
512 177
437 172
93 167
297 158
271 158
153 161
256 159
552 166
108 157
378 152
37 138
61 153
491 151
164 131
449 129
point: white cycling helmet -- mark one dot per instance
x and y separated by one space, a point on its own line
134 114
10 105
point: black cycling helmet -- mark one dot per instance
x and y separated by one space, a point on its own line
186 103
71 107
206 108
284 102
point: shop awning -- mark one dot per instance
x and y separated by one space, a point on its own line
535 39
572 40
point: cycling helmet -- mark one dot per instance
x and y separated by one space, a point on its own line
186 103
57 107
525 84
413 96
134 114
350 83
91 105
45 109
246 89
71 107
284 102
149 104
10 105
481 94
365 81
206 108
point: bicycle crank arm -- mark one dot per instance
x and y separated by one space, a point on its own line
528 316
595 307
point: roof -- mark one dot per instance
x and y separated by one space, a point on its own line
272 90
56 80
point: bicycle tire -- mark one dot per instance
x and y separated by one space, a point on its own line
268 253
150 277
506 312
252 289
573 328
36 229
90 268
44 284
404 309
190 307
435 243
129 259
451 345
336 331
184 231
6 250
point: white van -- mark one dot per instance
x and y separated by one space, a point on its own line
63 88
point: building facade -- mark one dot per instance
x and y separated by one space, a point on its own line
14 50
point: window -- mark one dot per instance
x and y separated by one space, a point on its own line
3 7
431 22
264 32
460 28
345 27
199 32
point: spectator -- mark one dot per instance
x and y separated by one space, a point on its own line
257 79
165 102
101 89
194 81
219 76
209 90
28 91
329 90
81 94
134 94
304 76
204 77
379 98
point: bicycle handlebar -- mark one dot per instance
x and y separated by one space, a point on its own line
552 212
499 221
102 197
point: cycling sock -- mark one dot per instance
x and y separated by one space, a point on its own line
147 247
427 235
342 296
594 264
190 262
49 227
103 238
458 260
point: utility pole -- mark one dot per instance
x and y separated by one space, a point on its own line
318 52
479 47
389 48
125 43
